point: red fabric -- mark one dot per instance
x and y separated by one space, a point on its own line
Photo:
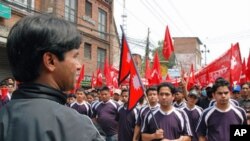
99 78
168 78
127 67
4 92
191 80
135 88
125 61
167 45
155 77
115 81
248 68
229 63
107 73
243 78
93 80
236 64
147 69
80 77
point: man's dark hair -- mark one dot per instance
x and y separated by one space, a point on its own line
152 88
220 83
35 35
124 90
105 88
166 84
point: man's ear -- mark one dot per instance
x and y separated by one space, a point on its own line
49 61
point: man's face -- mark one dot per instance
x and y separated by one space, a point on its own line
192 100
179 96
116 97
65 72
222 95
152 96
80 96
165 97
90 98
124 97
105 96
245 90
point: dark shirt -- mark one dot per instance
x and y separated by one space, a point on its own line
143 112
106 114
193 116
215 124
83 108
37 112
174 123
126 121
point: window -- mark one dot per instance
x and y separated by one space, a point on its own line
87 50
101 55
102 23
70 10
29 4
88 9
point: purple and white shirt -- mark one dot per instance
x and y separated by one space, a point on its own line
106 114
194 115
82 108
126 119
215 123
174 123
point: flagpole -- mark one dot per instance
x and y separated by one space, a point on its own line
150 108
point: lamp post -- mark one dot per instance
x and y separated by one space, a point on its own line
205 51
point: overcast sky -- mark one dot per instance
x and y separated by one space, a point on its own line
217 23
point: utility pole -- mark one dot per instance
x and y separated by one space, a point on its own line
205 51
147 47
124 17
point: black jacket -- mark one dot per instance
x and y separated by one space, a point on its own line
37 113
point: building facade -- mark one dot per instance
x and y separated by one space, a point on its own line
187 51
93 18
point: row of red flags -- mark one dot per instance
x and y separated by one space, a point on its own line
127 70
229 66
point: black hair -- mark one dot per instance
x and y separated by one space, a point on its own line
81 90
123 91
166 84
152 88
71 95
209 91
220 83
35 35
105 88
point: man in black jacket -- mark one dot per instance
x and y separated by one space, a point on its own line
43 55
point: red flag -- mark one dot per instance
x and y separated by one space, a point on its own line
4 92
248 68
125 61
80 77
155 77
168 78
220 67
115 81
235 64
135 88
93 80
127 66
107 73
167 45
243 72
99 78
147 69
191 80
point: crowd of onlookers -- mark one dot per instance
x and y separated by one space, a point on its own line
166 111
